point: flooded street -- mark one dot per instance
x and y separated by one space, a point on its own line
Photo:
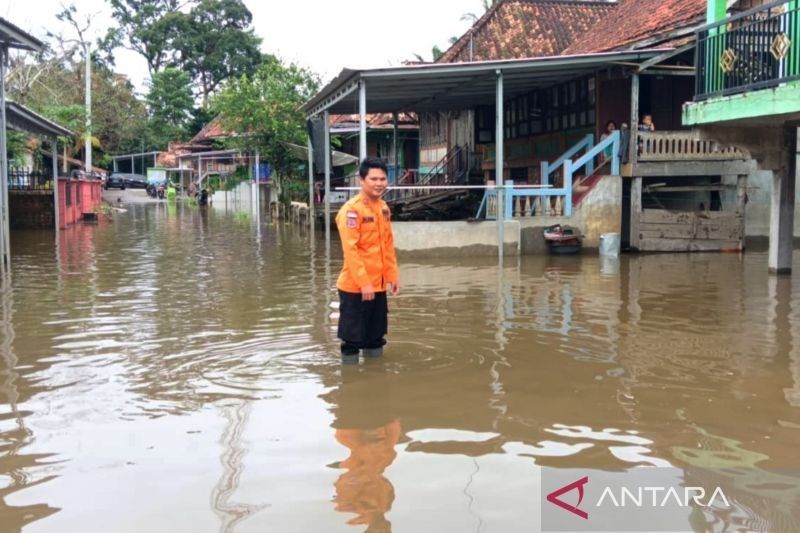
177 370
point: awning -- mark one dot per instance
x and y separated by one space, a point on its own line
338 159
13 37
451 86
20 118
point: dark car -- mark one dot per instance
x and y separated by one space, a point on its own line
120 180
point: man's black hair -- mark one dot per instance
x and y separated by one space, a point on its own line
371 162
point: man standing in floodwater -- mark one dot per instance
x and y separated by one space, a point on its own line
370 265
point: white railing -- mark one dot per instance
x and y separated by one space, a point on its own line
684 146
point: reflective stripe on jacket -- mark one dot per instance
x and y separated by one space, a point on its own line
368 244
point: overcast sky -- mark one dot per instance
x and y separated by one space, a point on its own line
322 35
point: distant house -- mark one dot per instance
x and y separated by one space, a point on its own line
381 139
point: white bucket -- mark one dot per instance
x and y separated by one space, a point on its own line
609 244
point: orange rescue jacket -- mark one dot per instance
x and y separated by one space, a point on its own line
368 245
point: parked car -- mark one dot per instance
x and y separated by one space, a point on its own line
121 180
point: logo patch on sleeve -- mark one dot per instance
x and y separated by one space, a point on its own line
352 219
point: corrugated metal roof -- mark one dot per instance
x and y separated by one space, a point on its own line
13 37
441 87
21 118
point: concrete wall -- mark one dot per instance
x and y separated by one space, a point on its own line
757 210
454 239
764 140
599 212
77 197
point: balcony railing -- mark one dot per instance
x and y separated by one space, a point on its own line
684 146
756 49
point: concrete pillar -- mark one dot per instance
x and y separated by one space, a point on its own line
781 223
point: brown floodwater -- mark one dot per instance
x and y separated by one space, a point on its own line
176 370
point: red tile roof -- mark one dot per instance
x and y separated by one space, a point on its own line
641 23
514 29
212 130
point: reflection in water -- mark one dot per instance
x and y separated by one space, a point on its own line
365 425
14 465
121 350
231 514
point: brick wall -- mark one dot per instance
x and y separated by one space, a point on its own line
30 210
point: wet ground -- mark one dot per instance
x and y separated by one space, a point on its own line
176 370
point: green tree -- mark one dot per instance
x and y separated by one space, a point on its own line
263 112
169 103
217 43
147 27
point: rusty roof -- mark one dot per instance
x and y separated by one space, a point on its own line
642 23
516 29
377 120
212 130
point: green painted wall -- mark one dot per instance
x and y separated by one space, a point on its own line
715 11
766 102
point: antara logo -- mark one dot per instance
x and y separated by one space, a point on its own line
649 497
553 497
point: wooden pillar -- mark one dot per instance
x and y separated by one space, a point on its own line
311 207
636 211
634 141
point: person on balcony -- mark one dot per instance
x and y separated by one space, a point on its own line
611 127
647 123
370 265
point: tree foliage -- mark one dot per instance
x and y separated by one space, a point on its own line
263 110
217 43
146 27
169 104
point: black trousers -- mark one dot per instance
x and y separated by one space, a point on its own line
362 324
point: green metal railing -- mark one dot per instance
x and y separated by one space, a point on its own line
756 49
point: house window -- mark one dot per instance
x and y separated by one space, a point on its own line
68 193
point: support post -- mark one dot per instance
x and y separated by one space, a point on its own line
257 200
327 145
311 208
781 221
633 148
5 247
87 49
394 147
636 211
362 119
56 211
498 157
741 205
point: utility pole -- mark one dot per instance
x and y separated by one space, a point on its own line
87 49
